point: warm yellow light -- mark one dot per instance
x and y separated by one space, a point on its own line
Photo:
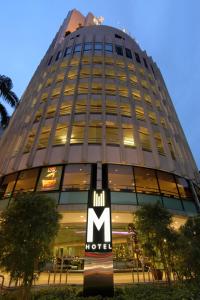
129 142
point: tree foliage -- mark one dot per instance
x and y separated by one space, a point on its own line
157 238
188 252
28 227
9 96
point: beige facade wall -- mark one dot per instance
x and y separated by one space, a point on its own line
97 95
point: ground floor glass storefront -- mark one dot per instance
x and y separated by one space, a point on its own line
69 246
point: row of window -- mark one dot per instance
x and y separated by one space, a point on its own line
78 177
99 47
96 107
94 133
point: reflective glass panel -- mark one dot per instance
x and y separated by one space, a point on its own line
145 180
26 181
49 178
76 177
121 178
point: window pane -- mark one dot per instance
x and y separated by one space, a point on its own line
68 51
145 180
108 47
128 53
26 181
98 46
76 177
8 185
77 48
87 46
60 137
120 178
159 143
66 108
30 141
183 187
80 106
44 137
77 134
49 179
112 134
144 139
128 138
167 184
94 134
119 50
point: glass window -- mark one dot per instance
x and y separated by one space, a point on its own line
60 77
97 60
110 89
133 79
167 184
121 75
128 53
49 178
152 117
77 48
159 143
44 137
75 61
121 178
111 106
60 137
49 82
120 62
95 132
163 122
145 180
66 108
38 115
83 88
171 149
144 139
81 106
69 89
109 73
87 47
68 51
119 50
85 59
123 91
97 71
56 92
96 88
77 135
98 46
137 57
145 63
84 72
44 97
7 185
26 181
144 84
72 74
50 111
109 60
95 106
183 187
108 47
76 177
30 141
128 138
125 109
112 133
136 94
58 55
50 60
139 113
147 98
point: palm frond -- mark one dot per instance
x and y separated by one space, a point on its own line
3 116
5 91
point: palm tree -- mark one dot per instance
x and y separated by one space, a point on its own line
9 96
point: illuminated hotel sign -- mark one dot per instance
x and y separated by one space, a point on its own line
98 225
98 267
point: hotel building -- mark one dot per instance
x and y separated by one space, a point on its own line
97 115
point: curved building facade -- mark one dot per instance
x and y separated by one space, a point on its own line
97 114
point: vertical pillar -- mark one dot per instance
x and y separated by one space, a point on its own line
98 267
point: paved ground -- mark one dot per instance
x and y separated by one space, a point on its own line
77 278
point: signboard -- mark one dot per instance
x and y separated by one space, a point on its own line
98 268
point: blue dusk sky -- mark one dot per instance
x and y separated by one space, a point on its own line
169 30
